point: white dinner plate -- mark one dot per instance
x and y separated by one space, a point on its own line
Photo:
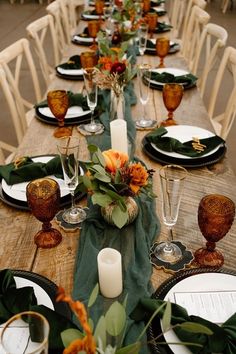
153 40
79 38
73 112
89 16
18 191
173 71
41 295
206 282
185 133
71 72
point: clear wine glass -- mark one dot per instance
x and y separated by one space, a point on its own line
172 179
144 76
68 148
91 91
142 37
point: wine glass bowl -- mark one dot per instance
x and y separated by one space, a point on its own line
162 49
43 197
172 178
146 6
172 95
58 102
68 148
215 216
93 29
88 59
142 36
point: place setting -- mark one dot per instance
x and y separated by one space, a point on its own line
89 35
156 47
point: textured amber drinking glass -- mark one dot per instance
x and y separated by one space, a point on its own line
93 29
152 19
146 6
88 59
172 95
215 217
162 49
58 102
99 7
43 197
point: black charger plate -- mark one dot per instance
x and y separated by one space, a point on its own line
155 328
187 163
70 121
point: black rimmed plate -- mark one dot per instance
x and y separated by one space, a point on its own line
90 15
157 85
69 74
163 27
16 200
154 329
47 286
76 119
81 39
157 156
174 48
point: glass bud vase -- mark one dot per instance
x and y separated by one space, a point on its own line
117 105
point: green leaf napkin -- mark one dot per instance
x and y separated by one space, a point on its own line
223 339
29 170
75 99
169 144
73 63
162 27
188 79
13 301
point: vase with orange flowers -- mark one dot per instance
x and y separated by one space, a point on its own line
114 182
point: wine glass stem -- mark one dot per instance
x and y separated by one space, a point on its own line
168 247
73 207
170 115
92 117
144 111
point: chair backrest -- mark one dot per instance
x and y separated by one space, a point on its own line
44 39
177 13
20 73
187 13
54 9
213 38
198 19
223 122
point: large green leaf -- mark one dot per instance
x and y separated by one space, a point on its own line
111 193
102 177
69 335
93 295
119 217
195 328
133 348
87 182
100 331
115 319
166 319
101 199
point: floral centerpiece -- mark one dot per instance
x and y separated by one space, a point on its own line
94 339
111 178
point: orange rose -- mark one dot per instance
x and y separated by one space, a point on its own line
114 159
138 175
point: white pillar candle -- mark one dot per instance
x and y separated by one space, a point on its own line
110 272
119 141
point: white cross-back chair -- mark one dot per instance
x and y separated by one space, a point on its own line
198 19
225 5
54 9
187 13
44 39
176 15
213 38
223 122
16 62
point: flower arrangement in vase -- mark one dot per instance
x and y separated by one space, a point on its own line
111 179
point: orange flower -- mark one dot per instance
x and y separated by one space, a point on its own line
87 343
114 160
139 176
105 63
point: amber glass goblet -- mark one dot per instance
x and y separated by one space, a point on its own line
152 19
58 102
172 95
99 7
215 217
162 49
93 29
43 197
88 59
146 6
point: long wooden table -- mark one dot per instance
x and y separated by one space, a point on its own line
18 227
